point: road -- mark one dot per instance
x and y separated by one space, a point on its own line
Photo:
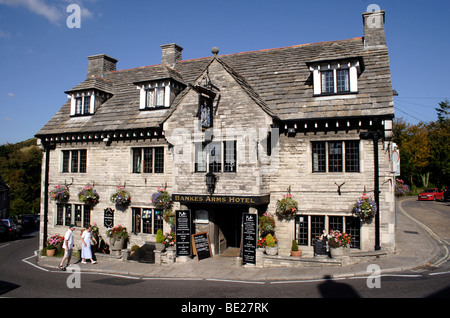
20 277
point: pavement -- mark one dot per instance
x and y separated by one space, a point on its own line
416 249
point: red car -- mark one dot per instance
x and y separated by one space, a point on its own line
431 194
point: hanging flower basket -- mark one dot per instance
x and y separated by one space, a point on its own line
163 200
60 193
88 195
266 224
286 207
365 208
401 188
121 196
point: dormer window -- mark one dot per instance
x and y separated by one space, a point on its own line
158 94
82 104
335 77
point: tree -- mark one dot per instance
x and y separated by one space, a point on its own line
443 111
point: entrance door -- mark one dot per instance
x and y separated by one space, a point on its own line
228 220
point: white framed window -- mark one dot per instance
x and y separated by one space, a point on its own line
335 78
82 104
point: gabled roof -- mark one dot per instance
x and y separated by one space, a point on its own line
278 80
93 82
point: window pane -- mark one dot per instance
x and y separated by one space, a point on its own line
335 157
353 227
319 156
342 80
158 221
136 221
230 156
87 105
159 96
78 215
83 160
68 216
59 214
86 215
74 162
317 226
215 157
352 156
78 105
148 160
147 221
137 160
200 158
301 229
159 160
65 161
150 94
327 82
335 223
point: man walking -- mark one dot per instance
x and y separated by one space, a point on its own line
68 247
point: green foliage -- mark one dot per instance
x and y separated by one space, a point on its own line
20 168
294 247
424 150
160 237
270 241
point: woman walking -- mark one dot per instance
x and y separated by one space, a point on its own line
86 252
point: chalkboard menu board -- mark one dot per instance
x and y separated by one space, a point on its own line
108 218
249 238
183 232
201 245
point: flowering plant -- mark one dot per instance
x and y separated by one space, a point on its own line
54 241
88 195
401 188
266 224
365 208
170 239
286 207
338 239
94 229
162 199
262 242
118 231
121 196
60 193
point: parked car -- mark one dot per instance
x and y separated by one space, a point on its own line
446 194
29 221
14 228
431 194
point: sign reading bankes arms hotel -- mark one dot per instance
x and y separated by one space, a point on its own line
224 199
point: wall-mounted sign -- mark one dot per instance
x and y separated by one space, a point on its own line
222 199
249 238
108 218
183 232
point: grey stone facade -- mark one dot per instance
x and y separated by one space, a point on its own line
267 112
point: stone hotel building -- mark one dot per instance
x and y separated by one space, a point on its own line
310 120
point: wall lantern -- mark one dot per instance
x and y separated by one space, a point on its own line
211 182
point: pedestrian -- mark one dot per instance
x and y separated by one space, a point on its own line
68 247
86 252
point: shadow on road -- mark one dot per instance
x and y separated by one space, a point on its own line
331 289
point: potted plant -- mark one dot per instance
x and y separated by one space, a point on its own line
294 249
163 200
286 207
60 193
53 243
339 243
266 224
121 196
88 195
365 208
169 240
117 237
160 238
271 245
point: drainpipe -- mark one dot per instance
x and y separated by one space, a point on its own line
375 135
47 149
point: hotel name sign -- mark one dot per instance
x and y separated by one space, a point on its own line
222 199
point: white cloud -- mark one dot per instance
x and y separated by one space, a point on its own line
54 13
11 94
4 34
7 118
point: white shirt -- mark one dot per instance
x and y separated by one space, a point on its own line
69 238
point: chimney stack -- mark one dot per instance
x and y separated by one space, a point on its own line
171 54
100 65
374 35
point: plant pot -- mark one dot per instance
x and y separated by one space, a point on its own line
337 252
272 250
160 246
116 243
50 252
296 253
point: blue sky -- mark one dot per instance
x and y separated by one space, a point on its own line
41 57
